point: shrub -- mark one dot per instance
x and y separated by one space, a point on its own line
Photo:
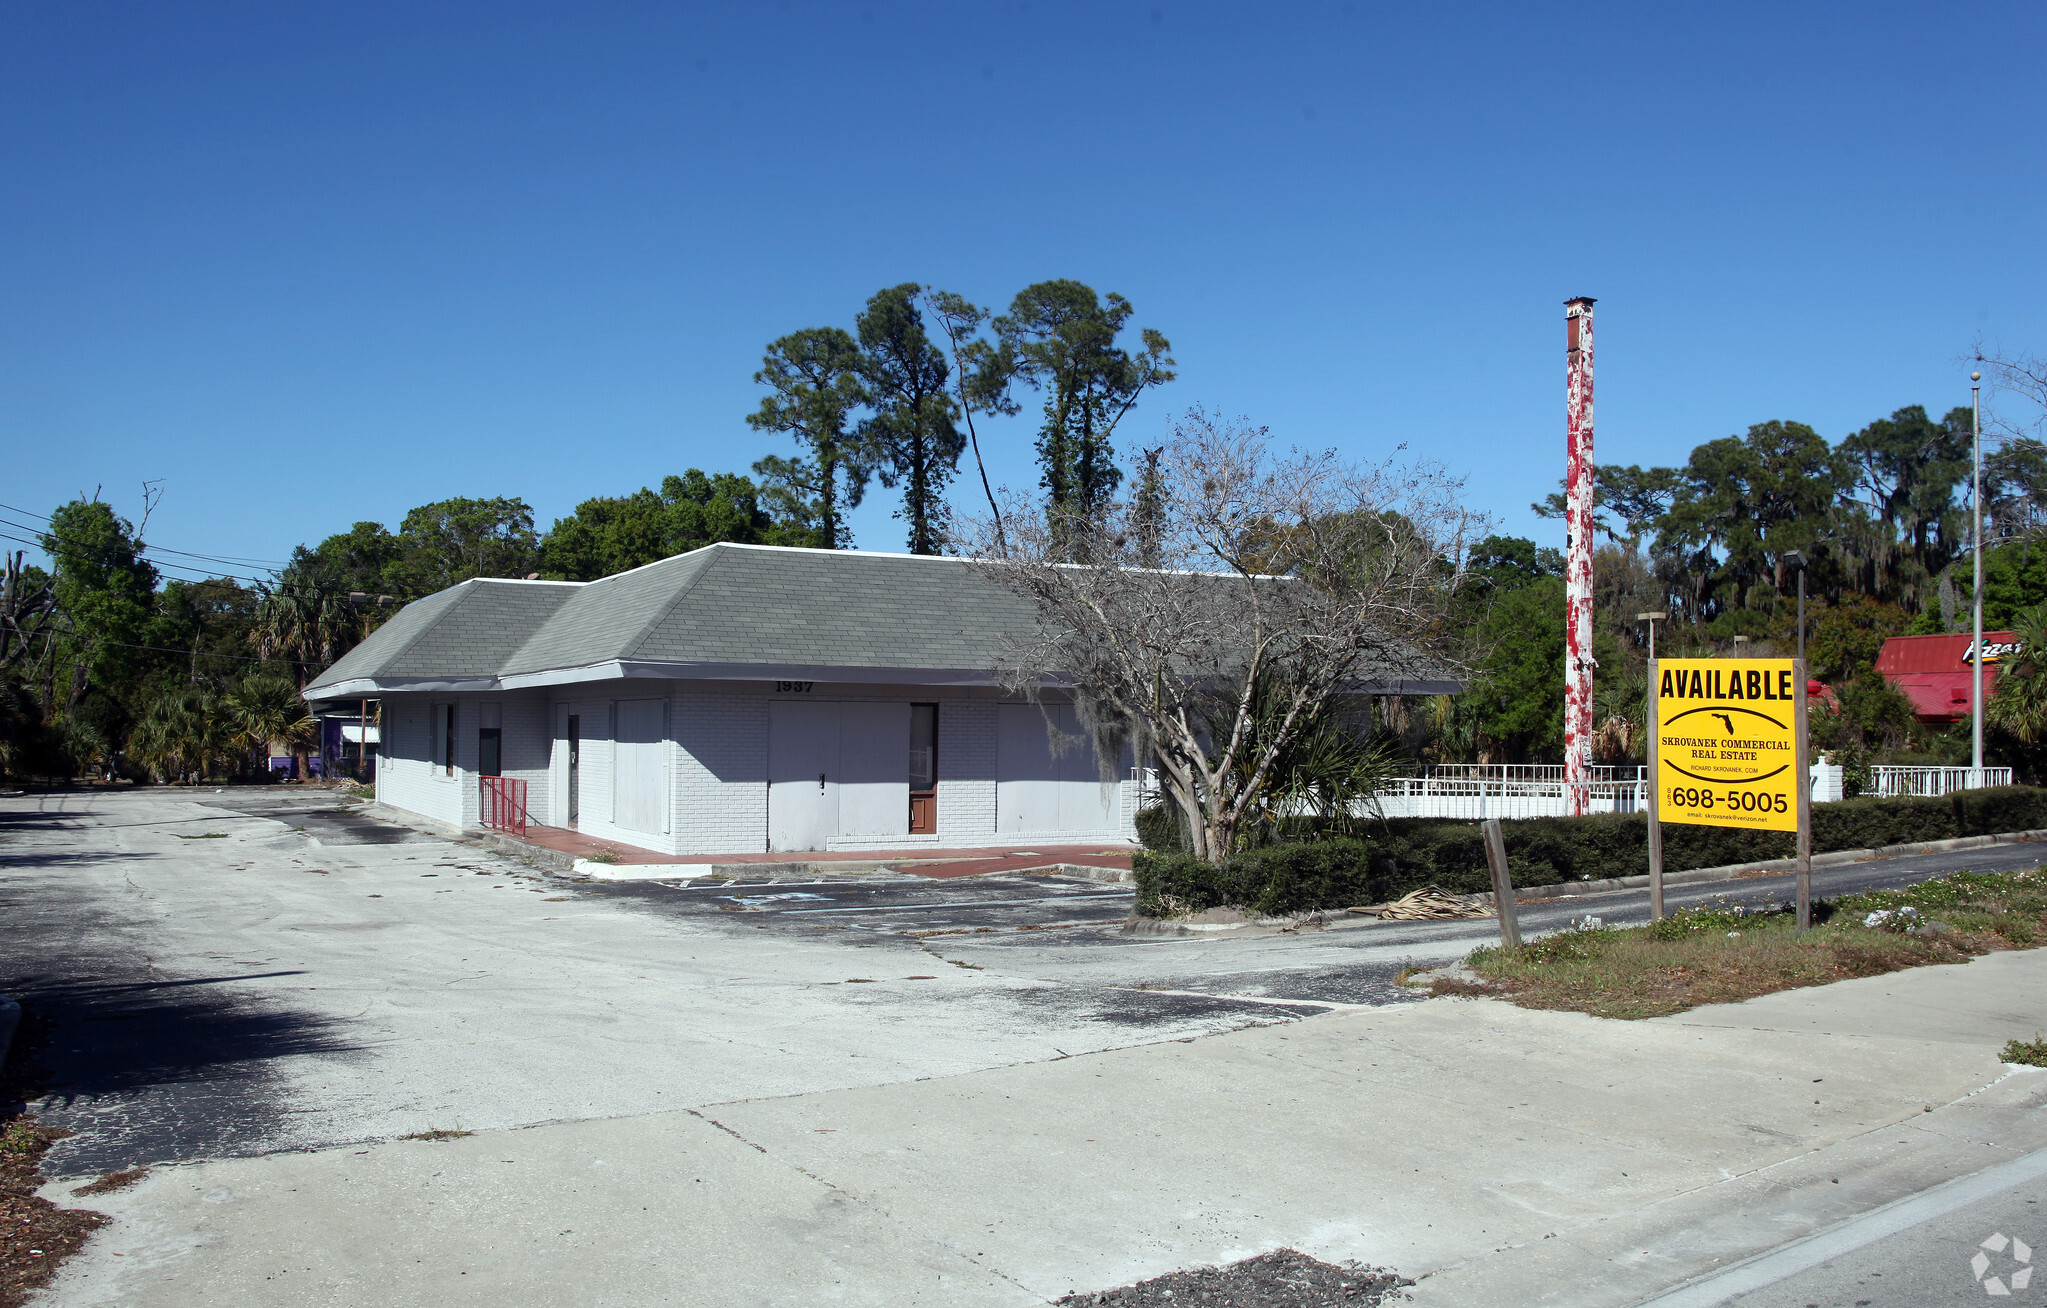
1160 828
1407 853
1170 883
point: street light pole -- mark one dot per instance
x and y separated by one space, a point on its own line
1645 777
1652 619
1795 559
1976 661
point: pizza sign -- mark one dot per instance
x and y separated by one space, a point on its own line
1993 651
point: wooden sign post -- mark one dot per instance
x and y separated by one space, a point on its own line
1503 884
1727 748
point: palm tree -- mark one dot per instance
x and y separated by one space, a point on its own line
2018 706
304 617
266 707
182 735
1620 703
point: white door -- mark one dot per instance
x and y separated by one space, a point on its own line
1037 789
874 769
638 778
803 785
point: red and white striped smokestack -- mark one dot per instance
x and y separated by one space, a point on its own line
1577 551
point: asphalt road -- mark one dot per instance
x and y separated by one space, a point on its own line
1933 1263
1051 927
1979 1237
237 973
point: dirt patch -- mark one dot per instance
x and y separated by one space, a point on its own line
1284 1278
35 1234
111 1182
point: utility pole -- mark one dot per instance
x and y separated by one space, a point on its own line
7 604
1976 659
1577 549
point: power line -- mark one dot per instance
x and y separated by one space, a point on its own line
270 581
204 574
163 549
188 653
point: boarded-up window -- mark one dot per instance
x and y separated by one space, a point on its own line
836 769
1040 788
639 778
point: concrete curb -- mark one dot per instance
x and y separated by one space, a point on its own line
813 871
1734 871
1325 918
10 1022
784 871
567 864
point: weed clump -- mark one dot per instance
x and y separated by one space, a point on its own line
2030 1053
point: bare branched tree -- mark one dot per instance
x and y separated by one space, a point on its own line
2022 378
1281 585
2014 421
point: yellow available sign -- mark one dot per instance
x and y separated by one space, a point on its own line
1727 743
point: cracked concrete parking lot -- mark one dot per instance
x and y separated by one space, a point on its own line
242 972
231 975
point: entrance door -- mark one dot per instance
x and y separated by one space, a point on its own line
803 792
924 769
575 787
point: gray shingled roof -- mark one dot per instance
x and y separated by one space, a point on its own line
724 605
730 604
468 630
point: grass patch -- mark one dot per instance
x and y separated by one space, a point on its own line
1721 952
210 835
438 1133
602 857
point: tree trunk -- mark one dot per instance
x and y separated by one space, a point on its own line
828 496
77 686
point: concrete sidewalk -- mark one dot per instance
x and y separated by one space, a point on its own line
1504 1156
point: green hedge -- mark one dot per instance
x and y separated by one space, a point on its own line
1406 853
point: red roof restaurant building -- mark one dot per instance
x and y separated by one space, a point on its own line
1936 672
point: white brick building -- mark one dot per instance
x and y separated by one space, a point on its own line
736 699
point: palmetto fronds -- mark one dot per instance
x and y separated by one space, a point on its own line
2019 704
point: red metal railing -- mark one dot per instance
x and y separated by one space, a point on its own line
504 804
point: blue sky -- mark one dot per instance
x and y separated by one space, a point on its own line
316 264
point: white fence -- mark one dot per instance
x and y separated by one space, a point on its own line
1475 791
1889 781
1509 790
1517 790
